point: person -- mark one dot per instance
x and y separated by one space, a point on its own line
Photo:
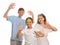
16 21
44 27
29 33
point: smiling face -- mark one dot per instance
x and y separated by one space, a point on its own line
41 19
21 12
29 22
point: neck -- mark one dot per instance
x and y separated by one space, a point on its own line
19 16
30 27
42 23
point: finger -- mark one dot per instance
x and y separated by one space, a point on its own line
12 4
29 11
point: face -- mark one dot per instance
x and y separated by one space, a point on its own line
41 19
21 13
29 23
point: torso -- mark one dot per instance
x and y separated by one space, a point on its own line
29 37
15 26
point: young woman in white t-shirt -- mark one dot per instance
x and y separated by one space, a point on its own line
44 27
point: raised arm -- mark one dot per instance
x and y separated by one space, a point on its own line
11 6
52 27
32 14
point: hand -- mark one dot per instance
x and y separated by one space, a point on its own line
39 34
11 6
36 35
30 13
20 27
19 34
46 23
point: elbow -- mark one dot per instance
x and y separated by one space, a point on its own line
5 16
55 29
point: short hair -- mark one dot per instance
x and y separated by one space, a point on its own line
30 19
21 9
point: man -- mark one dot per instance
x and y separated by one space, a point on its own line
16 21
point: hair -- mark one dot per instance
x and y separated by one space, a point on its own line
21 9
30 19
43 17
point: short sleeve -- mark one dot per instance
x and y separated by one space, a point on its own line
11 18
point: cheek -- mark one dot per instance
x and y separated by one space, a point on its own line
21 13
29 23
39 20
43 19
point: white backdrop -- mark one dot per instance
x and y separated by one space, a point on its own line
50 8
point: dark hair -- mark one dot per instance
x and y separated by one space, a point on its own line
30 19
43 17
21 9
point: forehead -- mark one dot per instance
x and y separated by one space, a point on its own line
21 11
29 20
40 16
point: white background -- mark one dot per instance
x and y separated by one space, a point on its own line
50 8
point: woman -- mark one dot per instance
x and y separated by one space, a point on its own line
44 27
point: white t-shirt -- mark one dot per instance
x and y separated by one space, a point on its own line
29 36
43 29
43 40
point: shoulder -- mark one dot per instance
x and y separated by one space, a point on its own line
12 17
37 25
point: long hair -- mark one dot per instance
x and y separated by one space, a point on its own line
43 17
